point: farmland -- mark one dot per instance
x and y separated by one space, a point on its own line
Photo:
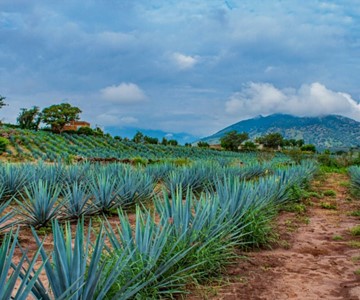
173 217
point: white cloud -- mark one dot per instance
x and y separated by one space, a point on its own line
184 62
117 40
124 93
129 120
111 119
309 100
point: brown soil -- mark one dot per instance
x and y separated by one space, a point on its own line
316 257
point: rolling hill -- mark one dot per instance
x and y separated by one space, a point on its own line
332 131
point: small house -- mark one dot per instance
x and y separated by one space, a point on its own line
75 125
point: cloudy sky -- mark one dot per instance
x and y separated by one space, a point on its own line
180 65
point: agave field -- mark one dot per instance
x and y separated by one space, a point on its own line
170 225
46 146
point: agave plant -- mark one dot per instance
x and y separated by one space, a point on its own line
134 186
5 217
79 270
11 273
355 177
77 201
40 203
14 177
157 256
202 223
104 190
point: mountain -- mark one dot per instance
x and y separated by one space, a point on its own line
129 132
332 131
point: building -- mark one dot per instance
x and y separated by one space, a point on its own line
75 125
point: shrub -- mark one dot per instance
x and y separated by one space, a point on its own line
3 144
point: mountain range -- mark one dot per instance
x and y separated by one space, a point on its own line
331 131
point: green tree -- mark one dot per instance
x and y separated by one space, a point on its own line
300 143
232 140
173 142
2 103
164 141
202 144
151 140
249 146
29 118
138 137
58 115
271 140
309 148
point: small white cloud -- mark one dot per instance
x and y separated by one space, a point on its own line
129 120
184 62
169 135
117 40
309 100
124 93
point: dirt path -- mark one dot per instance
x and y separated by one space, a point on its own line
317 256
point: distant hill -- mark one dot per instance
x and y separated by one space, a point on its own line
332 131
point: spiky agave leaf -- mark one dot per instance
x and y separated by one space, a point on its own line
79 270
104 190
354 172
77 201
15 177
40 203
11 273
157 255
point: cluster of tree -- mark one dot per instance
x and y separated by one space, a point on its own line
56 116
140 138
233 140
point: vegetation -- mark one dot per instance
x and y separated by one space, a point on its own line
188 235
232 140
2 101
58 115
30 118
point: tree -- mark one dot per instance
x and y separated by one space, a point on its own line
249 146
58 115
172 142
300 143
164 141
271 140
2 103
202 144
29 118
151 140
232 140
309 148
138 137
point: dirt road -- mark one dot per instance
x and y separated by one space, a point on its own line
316 257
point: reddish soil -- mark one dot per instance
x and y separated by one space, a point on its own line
316 256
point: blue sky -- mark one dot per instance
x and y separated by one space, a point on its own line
180 66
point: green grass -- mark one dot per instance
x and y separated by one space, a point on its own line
354 244
355 213
295 207
329 193
313 195
357 272
355 231
328 205
346 184
355 258
337 237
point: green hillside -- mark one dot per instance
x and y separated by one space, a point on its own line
331 131
27 145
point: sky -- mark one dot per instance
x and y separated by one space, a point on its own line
180 66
